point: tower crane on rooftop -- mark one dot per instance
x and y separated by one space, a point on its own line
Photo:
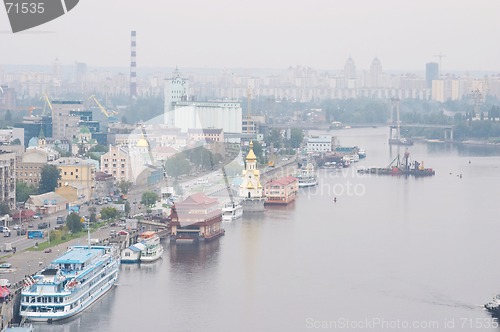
47 102
107 113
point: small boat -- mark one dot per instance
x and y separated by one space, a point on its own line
153 248
494 306
232 211
400 141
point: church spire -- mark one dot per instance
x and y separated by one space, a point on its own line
251 155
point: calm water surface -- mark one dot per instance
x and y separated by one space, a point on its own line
423 252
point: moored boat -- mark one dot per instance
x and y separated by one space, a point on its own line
232 211
153 248
70 283
307 176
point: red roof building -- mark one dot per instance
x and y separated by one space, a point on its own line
281 191
197 218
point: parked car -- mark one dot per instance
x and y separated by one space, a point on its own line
47 251
6 234
21 231
5 266
16 227
7 247
43 225
60 220
5 229
5 283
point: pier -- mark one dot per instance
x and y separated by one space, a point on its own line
29 262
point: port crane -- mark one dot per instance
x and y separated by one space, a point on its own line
107 113
47 103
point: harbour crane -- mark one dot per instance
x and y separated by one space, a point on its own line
47 102
108 114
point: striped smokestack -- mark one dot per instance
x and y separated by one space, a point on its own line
133 65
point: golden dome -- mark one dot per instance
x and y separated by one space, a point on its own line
251 154
142 143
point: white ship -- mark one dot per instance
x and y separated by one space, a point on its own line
70 283
307 176
153 248
232 211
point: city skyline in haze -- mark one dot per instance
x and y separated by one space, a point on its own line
265 34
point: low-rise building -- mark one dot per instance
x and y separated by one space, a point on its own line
320 144
77 172
46 204
197 218
281 191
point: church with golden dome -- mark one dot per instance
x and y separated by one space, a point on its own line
251 191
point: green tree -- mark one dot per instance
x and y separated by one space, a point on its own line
296 137
124 186
23 191
99 148
73 222
127 208
149 198
16 141
4 208
177 165
93 215
109 213
48 180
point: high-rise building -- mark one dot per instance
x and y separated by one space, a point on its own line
65 124
34 125
176 89
8 178
431 73
376 73
133 65
350 69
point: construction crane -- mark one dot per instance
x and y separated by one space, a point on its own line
108 114
47 102
440 56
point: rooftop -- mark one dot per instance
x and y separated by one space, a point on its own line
78 255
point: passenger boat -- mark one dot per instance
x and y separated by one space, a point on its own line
232 211
153 248
307 176
70 283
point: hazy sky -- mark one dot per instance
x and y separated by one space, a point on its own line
265 33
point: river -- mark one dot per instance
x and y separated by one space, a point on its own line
391 253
